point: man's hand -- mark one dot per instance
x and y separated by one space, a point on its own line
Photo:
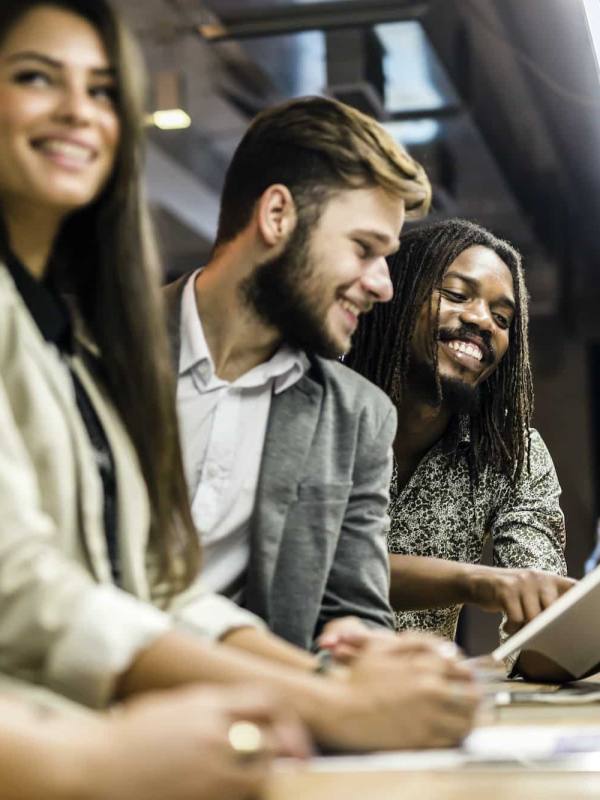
521 594
423 698
348 637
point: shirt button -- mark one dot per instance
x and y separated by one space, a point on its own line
204 370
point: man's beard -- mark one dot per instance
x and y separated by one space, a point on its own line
285 294
455 395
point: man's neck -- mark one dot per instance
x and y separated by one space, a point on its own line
420 426
236 338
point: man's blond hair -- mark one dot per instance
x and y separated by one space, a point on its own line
317 146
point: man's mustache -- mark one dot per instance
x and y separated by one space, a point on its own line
471 332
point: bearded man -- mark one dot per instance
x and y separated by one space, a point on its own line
451 351
287 451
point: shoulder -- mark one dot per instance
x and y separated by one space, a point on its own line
536 442
352 393
347 382
539 455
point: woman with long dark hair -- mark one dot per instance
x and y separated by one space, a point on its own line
90 473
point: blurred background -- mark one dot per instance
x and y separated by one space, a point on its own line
499 99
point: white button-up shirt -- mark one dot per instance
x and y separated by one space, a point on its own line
223 428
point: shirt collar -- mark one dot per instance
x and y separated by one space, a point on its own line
286 366
457 436
44 303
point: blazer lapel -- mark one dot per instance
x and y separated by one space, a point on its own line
292 422
89 493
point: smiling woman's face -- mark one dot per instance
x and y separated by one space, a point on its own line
59 128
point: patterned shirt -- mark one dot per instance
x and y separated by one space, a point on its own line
440 514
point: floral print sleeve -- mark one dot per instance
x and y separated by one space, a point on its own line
441 514
528 527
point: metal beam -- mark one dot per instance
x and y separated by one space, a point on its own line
441 112
245 23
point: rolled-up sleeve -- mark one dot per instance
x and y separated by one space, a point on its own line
210 616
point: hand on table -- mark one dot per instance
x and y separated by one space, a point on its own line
348 637
181 745
422 698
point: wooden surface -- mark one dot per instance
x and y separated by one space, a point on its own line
458 785
486 782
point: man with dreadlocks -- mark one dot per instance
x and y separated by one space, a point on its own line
451 351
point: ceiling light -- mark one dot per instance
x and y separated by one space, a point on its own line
171 119
169 108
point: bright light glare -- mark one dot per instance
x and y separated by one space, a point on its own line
592 12
414 131
171 119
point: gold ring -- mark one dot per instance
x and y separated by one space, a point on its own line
246 740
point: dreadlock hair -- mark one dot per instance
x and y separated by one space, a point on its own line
381 346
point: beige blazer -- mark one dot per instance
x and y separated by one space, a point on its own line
63 623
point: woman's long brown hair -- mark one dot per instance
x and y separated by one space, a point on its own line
106 256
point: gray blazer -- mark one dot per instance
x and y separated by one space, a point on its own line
318 532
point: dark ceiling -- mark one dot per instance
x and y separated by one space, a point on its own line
498 98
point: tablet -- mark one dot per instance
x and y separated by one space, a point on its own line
567 632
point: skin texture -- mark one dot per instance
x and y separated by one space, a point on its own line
477 291
347 249
170 745
476 296
55 93
367 707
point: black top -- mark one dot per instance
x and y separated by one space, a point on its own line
51 315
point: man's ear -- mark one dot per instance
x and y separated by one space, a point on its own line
276 214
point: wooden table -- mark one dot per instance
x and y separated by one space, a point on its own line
486 782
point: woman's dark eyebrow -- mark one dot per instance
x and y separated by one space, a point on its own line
31 55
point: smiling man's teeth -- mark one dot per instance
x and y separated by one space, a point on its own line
468 348
68 149
351 307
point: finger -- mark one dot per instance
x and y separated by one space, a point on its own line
410 644
357 638
328 641
245 779
549 593
515 616
292 739
450 729
345 654
342 624
461 697
563 583
249 741
462 671
531 603
285 734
